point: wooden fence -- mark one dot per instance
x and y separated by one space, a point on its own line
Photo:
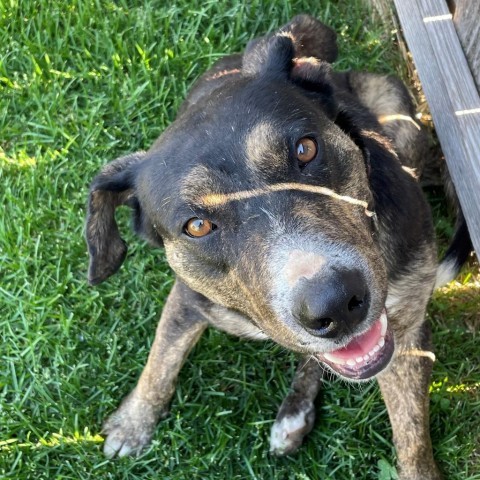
444 39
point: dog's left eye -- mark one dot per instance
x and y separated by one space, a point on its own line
197 227
305 150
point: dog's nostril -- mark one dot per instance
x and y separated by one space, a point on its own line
323 325
355 303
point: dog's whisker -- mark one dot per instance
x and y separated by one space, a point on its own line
217 199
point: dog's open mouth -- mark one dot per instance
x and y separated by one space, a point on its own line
365 355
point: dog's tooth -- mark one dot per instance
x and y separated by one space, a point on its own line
381 342
366 357
376 348
371 354
359 359
384 323
350 362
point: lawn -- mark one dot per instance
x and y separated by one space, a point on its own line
82 82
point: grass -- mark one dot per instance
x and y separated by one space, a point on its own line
82 82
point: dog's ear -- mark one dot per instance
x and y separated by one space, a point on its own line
300 52
269 56
314 77
309 37
312 38
114 186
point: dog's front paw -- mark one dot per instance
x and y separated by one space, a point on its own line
295 419
130 428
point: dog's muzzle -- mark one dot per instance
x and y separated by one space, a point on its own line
332 307
334 295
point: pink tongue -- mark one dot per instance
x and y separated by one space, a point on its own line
360 345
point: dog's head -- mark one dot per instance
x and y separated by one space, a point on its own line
263 204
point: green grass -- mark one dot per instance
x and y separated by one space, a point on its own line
82 82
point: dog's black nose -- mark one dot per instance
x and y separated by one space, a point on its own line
331 304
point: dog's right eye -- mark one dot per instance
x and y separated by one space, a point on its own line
197 227
305 150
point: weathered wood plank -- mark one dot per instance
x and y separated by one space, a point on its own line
467 23
451 94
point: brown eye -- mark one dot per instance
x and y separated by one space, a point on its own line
196 227
306 150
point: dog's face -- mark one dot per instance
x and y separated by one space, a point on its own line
261 202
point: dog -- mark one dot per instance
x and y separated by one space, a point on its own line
286 197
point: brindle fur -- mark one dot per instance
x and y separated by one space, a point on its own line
234 133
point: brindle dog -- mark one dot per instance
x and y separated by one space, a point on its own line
285 199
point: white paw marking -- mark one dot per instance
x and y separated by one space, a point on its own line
287 434
120 444
112 447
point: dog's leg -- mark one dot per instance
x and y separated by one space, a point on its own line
130 428
296 416
404 388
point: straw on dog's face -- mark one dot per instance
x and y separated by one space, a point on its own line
244 223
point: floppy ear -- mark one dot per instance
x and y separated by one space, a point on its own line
113 187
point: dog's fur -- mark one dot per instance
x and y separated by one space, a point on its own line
289 235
